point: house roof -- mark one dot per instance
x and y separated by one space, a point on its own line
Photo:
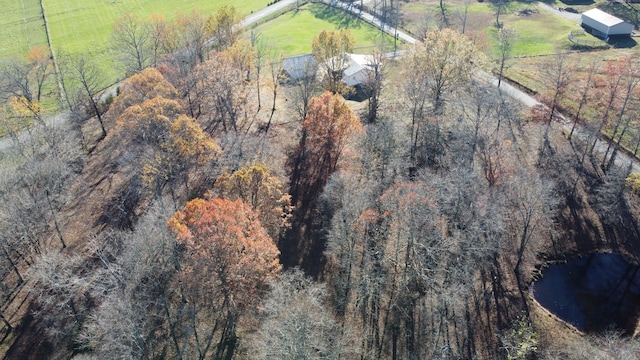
300 66
356 63
602 17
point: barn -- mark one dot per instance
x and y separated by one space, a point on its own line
604 25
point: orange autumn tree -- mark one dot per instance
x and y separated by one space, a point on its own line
226 261
328 125
40 62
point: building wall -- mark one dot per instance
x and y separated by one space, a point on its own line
621 29
592 23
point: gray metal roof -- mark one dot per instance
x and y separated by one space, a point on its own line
299 67
602 17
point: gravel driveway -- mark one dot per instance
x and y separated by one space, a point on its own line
564 14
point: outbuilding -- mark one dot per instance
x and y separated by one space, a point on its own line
604 25
300 67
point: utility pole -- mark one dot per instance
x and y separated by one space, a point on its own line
395 40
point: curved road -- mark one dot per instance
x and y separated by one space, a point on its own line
621 159
261 14
60 119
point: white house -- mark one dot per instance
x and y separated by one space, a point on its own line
358 68
603 25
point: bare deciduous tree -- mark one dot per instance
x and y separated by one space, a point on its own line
90 81
373 84
296 325
305 87
130 39
532 200
506 41
558 76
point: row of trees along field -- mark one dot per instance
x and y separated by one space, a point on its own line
185 220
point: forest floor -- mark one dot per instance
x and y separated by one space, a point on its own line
585 224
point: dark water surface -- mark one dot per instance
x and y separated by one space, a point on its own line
592 292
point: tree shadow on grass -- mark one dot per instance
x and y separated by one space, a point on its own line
578 2
382 41
566 2
341 19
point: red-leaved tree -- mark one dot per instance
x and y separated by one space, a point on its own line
227 259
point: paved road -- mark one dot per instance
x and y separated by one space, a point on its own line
372 19
601 146
57 120
622 159
63 117
260 14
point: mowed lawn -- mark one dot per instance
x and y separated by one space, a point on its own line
21 27
536 34
84 26
293 32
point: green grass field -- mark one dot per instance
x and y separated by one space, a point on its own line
84 26
21 27
534 39
293 32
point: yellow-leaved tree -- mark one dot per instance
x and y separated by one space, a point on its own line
442 62
330 50
262 191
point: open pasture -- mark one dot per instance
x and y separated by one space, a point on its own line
21 27
84 26
293 32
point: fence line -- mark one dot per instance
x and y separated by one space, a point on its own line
574 37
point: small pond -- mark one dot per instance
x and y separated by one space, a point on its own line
592 292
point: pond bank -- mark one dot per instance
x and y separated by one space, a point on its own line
592 292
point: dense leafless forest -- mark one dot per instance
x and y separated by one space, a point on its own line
215 208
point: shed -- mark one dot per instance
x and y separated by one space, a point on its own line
300 67
604 25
